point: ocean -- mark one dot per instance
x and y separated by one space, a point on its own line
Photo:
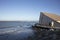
22 30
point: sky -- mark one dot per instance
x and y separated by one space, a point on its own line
27 10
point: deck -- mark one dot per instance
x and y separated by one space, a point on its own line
46 27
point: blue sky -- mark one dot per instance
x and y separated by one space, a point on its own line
27 10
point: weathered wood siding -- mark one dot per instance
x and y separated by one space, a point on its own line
45 20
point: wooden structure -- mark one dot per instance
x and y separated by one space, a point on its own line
48 20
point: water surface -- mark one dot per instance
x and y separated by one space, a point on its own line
16 30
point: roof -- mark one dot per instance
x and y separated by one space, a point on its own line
52 16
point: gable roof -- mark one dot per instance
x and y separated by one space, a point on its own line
52 16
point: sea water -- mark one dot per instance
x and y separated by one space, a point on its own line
22 30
